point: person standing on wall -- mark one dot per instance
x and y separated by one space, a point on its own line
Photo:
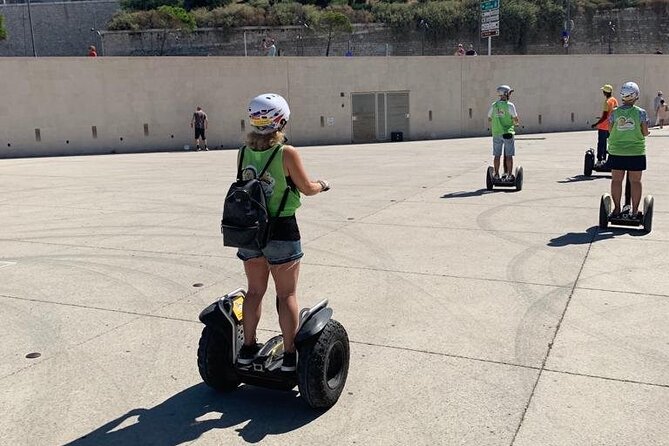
200 123
656 107
460 51
602 125
270 46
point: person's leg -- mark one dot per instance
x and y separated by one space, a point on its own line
285 281
497 147
617 188
509 164
602 136
509 152
635 182
204 141
257 274
661 123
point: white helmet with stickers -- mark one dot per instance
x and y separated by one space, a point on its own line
504 90
268 113
629 91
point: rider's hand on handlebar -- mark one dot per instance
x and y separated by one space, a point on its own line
325 186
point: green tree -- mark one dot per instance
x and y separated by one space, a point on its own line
171 19
333 23
3 31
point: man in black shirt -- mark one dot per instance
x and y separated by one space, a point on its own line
199 123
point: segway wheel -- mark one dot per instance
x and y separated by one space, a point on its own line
322 366
588 163
604 211
519 178
648 213
488 178
214 361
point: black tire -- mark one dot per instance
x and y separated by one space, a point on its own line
214 361
519 179
603 213
648 203
588 163
488 178
322 366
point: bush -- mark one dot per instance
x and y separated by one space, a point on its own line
146 5
165 17
3 31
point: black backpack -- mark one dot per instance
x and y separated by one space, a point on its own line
246 222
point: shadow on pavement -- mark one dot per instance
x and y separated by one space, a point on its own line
187 415
591 235
475 193
579 178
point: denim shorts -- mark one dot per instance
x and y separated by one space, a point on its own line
276 252
498 142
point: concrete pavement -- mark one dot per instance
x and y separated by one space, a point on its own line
475 318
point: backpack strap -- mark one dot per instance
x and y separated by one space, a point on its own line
283 202
239 165
269 161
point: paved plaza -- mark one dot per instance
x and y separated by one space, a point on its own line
475 317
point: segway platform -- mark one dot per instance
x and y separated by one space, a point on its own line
322 353
515 181
645 219
590 164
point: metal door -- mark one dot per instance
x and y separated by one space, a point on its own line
364 117
398 113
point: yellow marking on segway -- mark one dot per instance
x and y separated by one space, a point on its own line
237 304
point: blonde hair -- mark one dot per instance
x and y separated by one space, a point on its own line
262 142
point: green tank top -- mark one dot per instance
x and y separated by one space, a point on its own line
502 121
274 180
626 138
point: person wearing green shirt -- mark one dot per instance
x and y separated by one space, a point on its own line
503 118
627 149
285 174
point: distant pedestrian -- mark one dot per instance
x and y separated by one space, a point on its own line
656 107
663 113
92 52
200 123
460 51
270 46
471 51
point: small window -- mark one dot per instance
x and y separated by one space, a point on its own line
94 132
146 129
38 136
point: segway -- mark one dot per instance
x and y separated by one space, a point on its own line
505 180
645 219
322 353
589 164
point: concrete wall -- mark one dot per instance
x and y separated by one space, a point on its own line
61 29
64 98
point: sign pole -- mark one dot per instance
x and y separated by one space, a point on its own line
489 46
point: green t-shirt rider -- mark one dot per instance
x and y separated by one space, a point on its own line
503 118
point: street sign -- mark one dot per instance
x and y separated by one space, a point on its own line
487 5
489 19
490 16
490 26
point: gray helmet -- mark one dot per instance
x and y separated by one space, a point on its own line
504 90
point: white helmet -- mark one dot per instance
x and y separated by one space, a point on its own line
504 90
268 113
629 91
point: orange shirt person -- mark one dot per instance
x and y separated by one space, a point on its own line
602 124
